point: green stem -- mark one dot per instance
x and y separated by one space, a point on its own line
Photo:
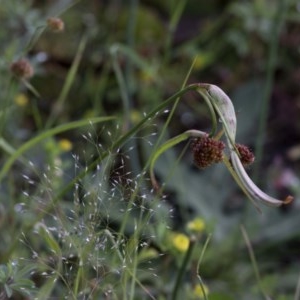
297 292
36 35
169 144
129 87
271 65
11 88
171 114
68 83
36 114
134 263
179 8
198 266
253 261
182 269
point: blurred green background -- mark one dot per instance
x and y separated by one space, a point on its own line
122 59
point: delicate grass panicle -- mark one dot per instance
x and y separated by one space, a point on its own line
79 235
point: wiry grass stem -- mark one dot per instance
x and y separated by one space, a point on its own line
183 268
271 66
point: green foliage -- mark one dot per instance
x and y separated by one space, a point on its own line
79 216
14 278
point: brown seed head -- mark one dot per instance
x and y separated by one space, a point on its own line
55 24
22 68
246 155
207 151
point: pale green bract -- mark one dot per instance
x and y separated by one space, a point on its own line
224 108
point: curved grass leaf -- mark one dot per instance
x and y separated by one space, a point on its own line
167 145
42 136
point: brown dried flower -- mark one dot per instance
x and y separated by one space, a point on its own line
55 24
22 68
207 151
246 155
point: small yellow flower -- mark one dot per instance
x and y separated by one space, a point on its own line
147 76
198 292
65 145
135 116
181 242
21 100
196 225
202 60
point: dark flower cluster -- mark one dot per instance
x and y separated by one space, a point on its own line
22 68
246 155
207 151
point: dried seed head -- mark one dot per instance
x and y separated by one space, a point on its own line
246 155
207 151
55 24
22 68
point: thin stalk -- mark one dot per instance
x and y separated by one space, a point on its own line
182 269
198 266
271 65
126 80
36 114
34 38
123 88
166 124
68 83
297 292
79 277
129 81
179 8
131 26
134 263
127 214
253 261
11 87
